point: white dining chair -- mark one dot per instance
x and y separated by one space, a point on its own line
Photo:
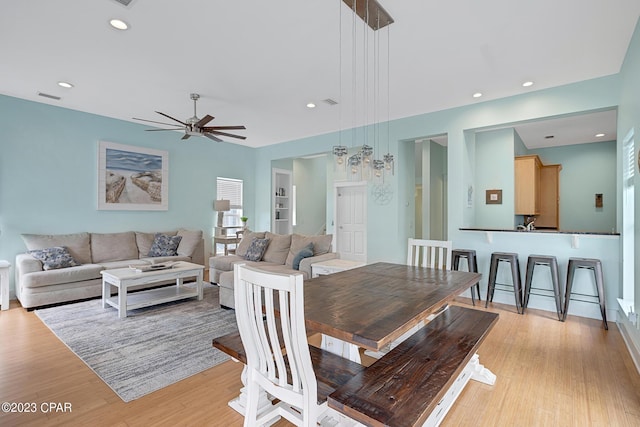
430 253
288 375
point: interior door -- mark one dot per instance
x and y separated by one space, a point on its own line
351 221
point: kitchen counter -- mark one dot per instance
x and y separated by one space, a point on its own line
511 230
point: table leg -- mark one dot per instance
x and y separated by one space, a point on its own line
480 373
122 301
341 348
106 292
4 288
199 285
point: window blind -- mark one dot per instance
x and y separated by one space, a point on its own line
230 189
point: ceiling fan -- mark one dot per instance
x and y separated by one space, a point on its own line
195 126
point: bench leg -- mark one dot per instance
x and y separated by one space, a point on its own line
480 373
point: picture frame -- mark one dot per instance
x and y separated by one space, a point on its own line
493 197
132 178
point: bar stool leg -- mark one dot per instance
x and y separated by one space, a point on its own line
491 284
567 293
600 288
555 279
475 270
517 285
527 282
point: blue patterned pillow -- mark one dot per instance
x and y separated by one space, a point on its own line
54 258
164 245
305 252
256 249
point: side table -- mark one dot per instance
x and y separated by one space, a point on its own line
333 266
224 240
4 284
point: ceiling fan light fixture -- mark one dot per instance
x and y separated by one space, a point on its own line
119 24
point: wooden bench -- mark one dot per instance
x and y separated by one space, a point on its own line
418 381
331 371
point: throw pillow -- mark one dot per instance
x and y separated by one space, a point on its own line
164 245
247 238
54 258
256 249
190 241
306 252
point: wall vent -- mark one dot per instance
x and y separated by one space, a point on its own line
330 101
46 95
124 2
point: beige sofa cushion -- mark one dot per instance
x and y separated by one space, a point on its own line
247 238
145 241
278 248
321 245
78 244
189 242
64 275
113 247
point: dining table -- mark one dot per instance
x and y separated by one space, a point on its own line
371 306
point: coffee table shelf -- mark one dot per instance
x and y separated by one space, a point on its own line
124 278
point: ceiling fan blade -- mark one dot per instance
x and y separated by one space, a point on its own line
160 130
208 135
203 121
153 121
210 128
186 136
172 118
227 134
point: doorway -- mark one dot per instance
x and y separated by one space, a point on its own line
431 188
351 220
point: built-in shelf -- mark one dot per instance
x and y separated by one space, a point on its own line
281 188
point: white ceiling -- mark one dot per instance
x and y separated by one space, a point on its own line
258 63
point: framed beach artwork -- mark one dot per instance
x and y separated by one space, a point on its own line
132 178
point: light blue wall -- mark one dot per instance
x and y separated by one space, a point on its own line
309 177
48 174
586 170
495 171
629 120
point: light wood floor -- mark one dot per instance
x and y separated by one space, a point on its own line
549 374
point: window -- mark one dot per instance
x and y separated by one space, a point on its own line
628 215
231 189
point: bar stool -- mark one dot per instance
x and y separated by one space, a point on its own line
512 259
552 263
472 266
596 266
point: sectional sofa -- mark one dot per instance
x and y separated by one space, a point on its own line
73 272
283 253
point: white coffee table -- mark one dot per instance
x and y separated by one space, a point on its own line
125 278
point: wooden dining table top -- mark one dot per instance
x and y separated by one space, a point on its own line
371 306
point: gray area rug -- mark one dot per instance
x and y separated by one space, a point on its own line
150 349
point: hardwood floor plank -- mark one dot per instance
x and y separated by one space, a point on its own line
548 373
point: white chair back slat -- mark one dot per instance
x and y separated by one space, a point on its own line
430 253
286 375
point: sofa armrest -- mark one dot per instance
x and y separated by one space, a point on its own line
305 263
25 263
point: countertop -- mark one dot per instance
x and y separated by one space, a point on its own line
547 231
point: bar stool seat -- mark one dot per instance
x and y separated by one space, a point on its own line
596 266
516 286
472 267
552 263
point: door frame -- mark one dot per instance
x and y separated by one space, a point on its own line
343 184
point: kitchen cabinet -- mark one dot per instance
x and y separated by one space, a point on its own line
527 185
549 216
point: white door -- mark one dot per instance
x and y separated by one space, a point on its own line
351 221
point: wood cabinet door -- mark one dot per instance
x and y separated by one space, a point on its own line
549 216
527 185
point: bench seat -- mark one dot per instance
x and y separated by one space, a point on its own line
331 371
405 386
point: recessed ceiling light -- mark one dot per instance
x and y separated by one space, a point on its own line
311 105
477 95
119 24
527 84
599 135
65 84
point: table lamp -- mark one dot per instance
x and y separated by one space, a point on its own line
221 206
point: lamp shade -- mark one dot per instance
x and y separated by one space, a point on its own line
222 205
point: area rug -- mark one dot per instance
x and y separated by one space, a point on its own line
151 348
